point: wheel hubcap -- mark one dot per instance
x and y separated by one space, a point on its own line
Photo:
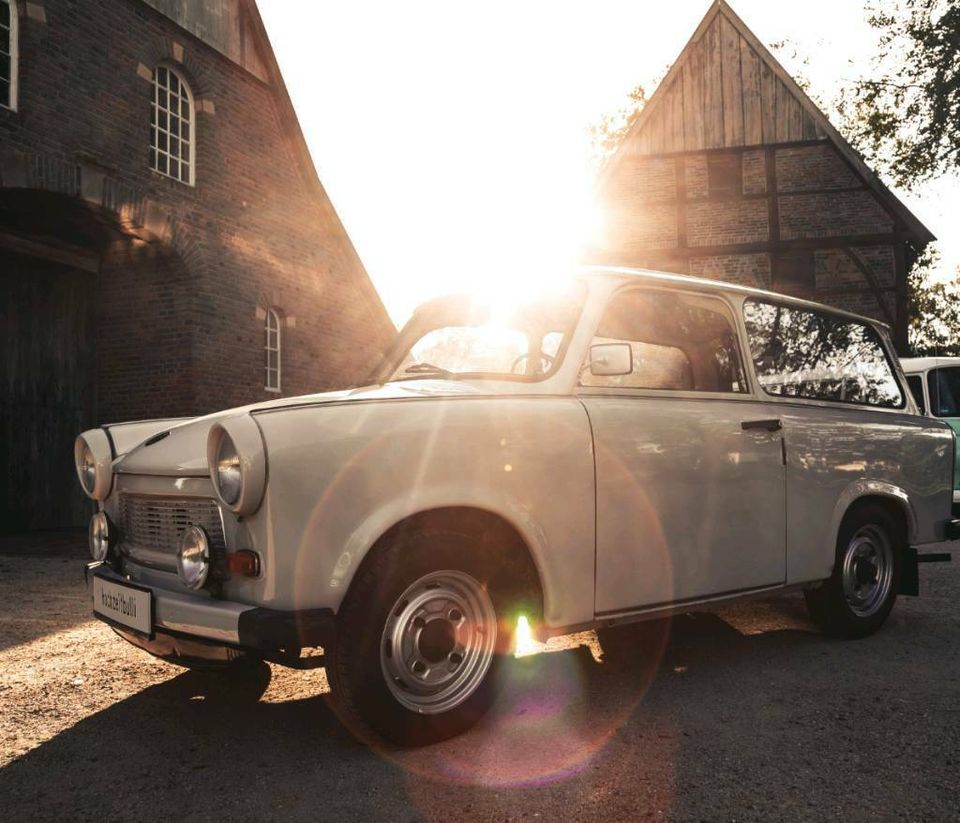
867 571
438 642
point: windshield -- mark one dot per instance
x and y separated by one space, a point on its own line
456 337
944 388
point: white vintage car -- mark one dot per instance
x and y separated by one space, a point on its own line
635 445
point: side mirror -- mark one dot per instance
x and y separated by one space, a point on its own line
611 359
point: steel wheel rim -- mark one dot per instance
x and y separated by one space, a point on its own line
438 642
867 571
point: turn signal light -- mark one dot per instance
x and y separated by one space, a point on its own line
244 563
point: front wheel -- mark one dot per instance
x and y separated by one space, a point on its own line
860 594
421 635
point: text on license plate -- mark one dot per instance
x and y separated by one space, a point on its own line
123 604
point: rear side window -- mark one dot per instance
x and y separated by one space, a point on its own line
944 386
915 384
680 342
819 356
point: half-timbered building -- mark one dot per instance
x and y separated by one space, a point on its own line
732 172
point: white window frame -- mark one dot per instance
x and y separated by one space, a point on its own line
14 35
272 325
155 129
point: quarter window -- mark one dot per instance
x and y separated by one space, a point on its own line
818 356
8 54
680 342
172 144
915 384
944 386
272 332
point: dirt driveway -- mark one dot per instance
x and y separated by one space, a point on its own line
747 714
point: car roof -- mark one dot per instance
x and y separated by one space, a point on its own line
631 274
915 365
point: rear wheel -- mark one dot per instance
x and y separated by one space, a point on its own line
421 636
860 594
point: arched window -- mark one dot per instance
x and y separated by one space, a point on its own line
8 54
172 144
272 329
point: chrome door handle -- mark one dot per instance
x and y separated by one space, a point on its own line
762 425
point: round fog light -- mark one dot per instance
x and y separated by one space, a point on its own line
99 536
193 558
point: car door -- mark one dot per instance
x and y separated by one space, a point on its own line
689 466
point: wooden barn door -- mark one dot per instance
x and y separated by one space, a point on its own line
46 391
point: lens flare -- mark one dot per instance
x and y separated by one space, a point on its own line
525 643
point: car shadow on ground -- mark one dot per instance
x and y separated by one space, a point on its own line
570 732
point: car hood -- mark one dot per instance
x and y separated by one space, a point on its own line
181 451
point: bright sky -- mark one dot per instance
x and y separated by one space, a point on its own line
452 136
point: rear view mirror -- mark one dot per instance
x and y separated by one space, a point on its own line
611 359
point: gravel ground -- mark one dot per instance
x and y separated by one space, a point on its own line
745 714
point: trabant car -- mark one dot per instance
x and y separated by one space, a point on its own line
633 445
934 383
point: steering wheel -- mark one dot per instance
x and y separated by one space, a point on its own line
546 361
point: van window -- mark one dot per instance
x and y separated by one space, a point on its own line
915 384
819 356
944 387
680 342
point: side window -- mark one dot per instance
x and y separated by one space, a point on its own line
172 144
819 356
8 54
915 383
944 387
271 328
680 342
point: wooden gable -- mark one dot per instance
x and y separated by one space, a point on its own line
726 91
721 94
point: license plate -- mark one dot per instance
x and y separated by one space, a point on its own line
123 604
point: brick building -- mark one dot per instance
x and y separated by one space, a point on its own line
166 247
732 172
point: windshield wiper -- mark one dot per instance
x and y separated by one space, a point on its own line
427 368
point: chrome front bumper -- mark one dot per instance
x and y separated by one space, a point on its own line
217 620
227 623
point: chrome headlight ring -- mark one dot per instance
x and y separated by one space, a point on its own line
237 462
93 458
101 537
193 558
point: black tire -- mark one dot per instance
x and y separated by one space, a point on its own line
842 612
360 693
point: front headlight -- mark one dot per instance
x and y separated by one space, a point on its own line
238 463
87 468
100 536
229 475
193 557
93 455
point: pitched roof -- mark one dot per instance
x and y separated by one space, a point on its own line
725 90
291 123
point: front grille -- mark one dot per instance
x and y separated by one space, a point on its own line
151 526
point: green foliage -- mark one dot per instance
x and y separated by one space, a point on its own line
606 136
905 118
934 310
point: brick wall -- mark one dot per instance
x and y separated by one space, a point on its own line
832 215
711 223
803 168
751 270
725 232
180 325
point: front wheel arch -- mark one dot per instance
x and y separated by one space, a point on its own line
492 531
